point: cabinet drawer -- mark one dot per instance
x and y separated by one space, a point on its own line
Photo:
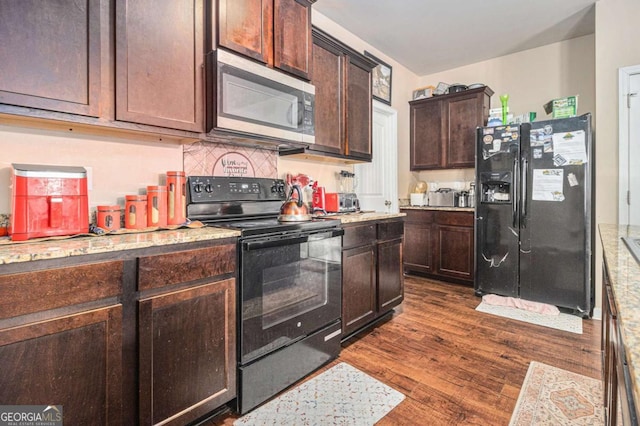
359 235
29 292
419 216
390 230
455 218
178 267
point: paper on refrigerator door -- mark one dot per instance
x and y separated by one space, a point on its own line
547 185
569 148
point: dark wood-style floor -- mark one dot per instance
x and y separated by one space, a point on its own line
456 365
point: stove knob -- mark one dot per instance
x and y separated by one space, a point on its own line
197 187
208 188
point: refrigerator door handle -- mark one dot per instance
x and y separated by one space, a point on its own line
514 198
525 172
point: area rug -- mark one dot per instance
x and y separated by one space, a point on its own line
552 396
342 395
562 321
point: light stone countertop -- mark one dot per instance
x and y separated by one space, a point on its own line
448 209
364 216
78 246
624 273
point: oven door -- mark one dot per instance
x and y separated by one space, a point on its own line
290 286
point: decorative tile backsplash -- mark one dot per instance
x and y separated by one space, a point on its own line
217 159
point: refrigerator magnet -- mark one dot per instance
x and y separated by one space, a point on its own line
487 139
537 153
573 181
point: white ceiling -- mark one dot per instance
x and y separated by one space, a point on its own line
429 36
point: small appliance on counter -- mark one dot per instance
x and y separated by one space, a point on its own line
48 201
341 202
443 197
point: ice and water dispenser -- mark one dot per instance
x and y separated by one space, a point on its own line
495 187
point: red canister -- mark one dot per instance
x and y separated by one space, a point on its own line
176 198
157 206
135 212
108 217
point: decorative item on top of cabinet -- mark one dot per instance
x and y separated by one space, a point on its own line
442 130
343 108
53 59
275 32
160 63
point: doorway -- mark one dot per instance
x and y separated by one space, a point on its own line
629 148
378 180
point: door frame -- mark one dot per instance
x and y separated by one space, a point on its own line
623 141
389 157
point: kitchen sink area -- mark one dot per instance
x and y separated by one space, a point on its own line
634 246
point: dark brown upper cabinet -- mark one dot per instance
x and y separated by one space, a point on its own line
442 132
51 54
275 32
342 78
160 63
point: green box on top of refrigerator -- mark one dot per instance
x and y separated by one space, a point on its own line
562 107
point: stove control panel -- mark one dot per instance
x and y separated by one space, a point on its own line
212 189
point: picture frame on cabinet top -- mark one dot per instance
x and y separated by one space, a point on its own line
381 77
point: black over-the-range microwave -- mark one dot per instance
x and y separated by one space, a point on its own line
250 99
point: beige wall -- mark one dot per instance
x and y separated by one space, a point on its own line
531 78
119 166
617 35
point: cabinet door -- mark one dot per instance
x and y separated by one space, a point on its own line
187 352
418 247
160 63
74 361
390 278
426 133
358 287
327 77
246 27
51 54
464 115
454 256
359 110
292 36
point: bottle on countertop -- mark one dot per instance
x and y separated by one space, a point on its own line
472 194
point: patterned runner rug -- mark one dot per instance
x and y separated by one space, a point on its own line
565 322
342 395
552 396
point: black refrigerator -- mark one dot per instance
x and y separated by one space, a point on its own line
533 212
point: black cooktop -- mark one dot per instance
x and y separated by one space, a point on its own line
250 205
272 226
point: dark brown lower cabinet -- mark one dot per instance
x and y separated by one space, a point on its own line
138 336
372 279
358 287
187 352
619 406
74 361
440 244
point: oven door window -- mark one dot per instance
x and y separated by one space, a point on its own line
290 288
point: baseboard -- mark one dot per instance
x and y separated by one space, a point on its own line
597 314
